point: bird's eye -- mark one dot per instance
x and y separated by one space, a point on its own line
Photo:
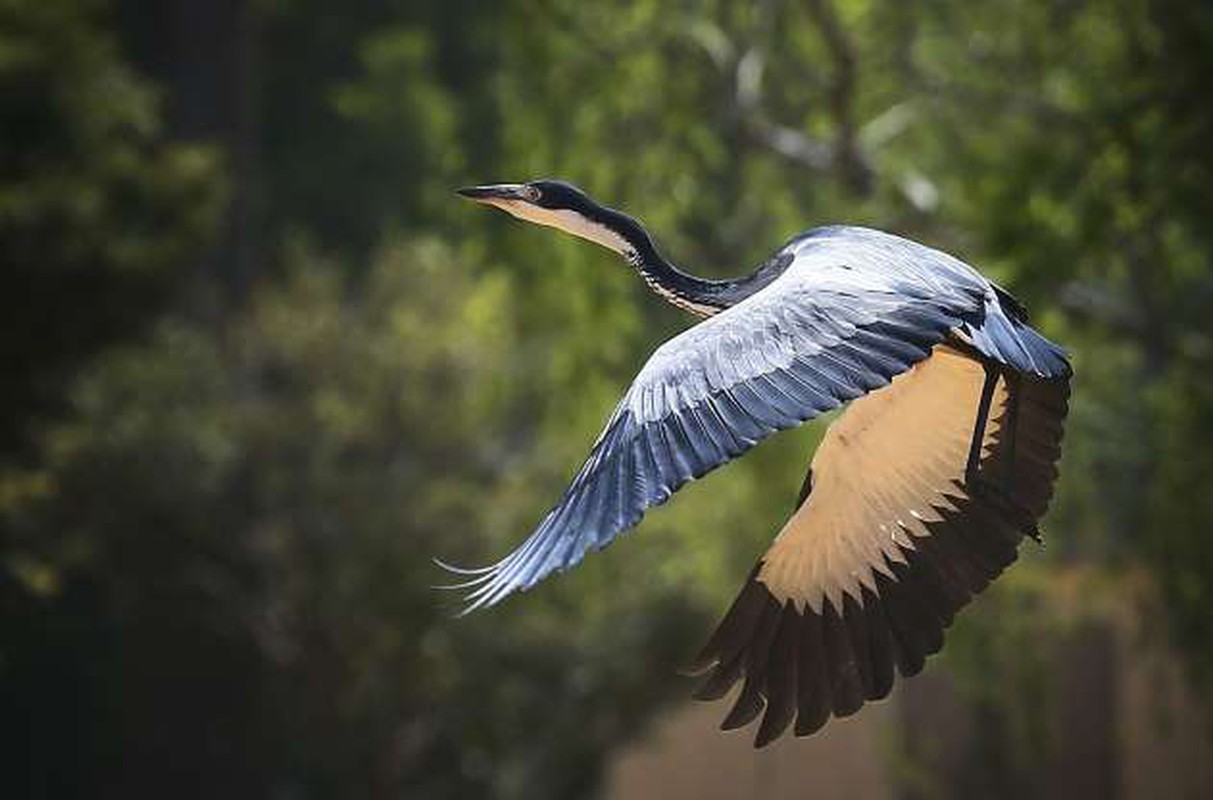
531 193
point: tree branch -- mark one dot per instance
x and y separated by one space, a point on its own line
855 169
843 156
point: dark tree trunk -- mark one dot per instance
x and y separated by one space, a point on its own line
203 56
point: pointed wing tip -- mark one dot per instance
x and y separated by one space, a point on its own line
767 734
462 570
452 587
698 665
485 589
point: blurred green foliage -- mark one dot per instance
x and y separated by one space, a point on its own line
283 485
97 211
215 529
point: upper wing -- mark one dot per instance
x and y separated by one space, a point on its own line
837 324
887 546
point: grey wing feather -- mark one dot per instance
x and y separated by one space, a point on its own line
840 322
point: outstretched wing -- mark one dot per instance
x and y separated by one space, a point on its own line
840 322
887 544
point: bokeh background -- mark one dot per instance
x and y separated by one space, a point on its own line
260 365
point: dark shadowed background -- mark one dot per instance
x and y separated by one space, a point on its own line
260 364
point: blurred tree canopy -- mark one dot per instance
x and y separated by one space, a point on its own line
219 495
97 210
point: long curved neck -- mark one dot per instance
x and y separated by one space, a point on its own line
699 296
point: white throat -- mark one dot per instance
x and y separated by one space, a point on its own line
569 222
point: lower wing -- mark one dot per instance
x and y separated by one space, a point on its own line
887 544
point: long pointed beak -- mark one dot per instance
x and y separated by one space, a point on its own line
493 191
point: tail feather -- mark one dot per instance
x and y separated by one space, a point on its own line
1014 342
1052 361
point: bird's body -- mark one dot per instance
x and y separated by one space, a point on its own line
918 495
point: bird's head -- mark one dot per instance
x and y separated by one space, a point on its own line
557 204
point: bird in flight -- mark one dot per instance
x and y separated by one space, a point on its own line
917 497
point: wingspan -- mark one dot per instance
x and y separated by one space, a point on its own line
886 546
837 325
